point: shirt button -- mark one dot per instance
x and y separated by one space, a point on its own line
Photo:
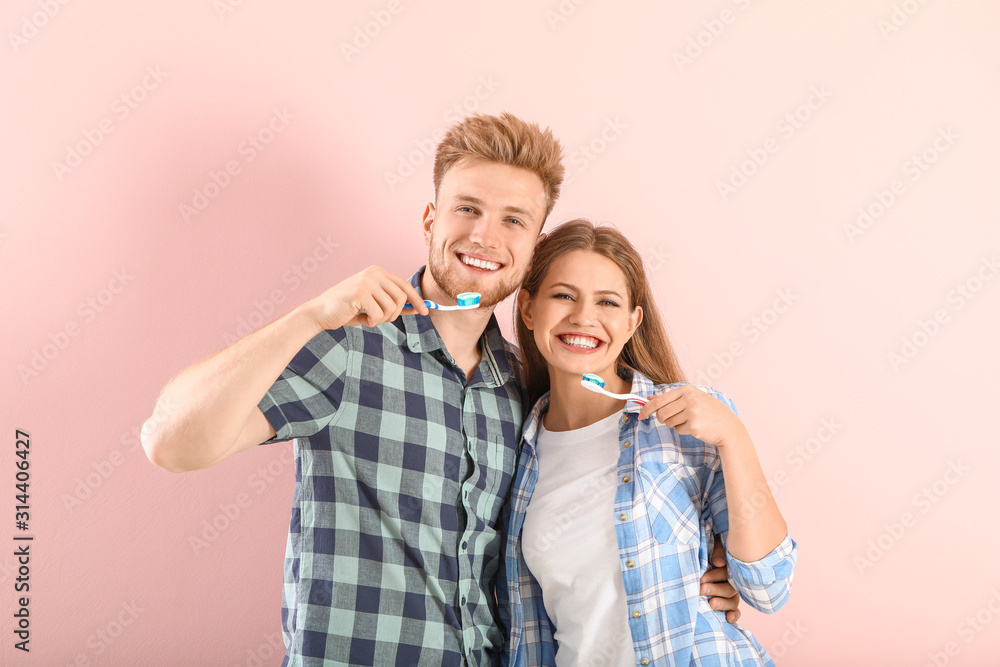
624 419
630 563
636 614
627 444
625 479
644 661
465 545
623 516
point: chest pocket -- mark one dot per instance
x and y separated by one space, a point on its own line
499 471
673 516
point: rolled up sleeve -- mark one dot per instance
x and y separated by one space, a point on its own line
765 584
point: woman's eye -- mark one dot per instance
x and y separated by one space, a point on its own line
561 296
609 302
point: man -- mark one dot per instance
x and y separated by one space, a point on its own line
405 421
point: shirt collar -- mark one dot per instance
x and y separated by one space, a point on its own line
641 386
421 336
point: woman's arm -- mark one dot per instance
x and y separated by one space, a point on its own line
756 527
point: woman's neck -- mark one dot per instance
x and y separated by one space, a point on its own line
571 406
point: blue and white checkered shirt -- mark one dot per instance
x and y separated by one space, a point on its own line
401 468
670 501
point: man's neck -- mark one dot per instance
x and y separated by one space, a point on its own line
460 330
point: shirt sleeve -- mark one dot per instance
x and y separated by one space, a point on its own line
763 584
307 394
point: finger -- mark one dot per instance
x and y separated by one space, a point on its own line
718 553
398 297
372 311
724 604
715 575
386 304
654 404
733 616
410 294
722 589
657 402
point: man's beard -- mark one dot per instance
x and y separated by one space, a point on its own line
453 285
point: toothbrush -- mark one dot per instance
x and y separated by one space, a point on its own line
595 383
466 301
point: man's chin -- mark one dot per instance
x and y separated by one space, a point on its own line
491 292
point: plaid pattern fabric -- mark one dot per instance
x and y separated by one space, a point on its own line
670 502
401 468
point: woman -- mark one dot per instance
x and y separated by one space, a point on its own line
615 508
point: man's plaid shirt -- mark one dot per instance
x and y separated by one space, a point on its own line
401 468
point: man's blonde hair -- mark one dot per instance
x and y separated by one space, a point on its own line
508 140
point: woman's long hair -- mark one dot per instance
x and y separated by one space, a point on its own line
648 351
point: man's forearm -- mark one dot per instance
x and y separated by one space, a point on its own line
201 413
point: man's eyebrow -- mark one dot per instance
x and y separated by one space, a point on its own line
577 289
476 201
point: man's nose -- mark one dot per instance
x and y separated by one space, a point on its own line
484 233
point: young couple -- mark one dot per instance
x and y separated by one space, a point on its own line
425 528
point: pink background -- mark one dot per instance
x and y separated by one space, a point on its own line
772 289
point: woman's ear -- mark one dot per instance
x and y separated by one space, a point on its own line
524 306
635 319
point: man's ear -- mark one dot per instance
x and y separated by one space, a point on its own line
428 222
541 237
524 306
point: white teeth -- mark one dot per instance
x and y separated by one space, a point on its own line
585 342
479 263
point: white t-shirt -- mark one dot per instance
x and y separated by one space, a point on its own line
570 546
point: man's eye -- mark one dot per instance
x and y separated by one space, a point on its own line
467 209
515 221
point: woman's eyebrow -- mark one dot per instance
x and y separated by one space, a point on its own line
577 289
